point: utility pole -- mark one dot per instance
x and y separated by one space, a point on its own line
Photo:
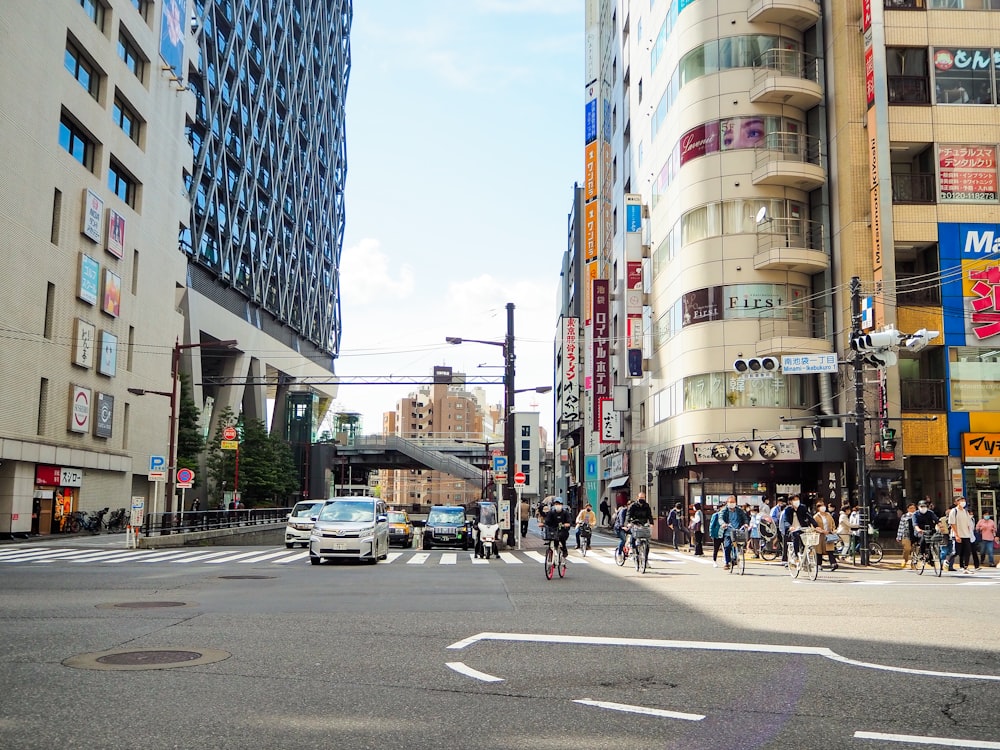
859 420
508 424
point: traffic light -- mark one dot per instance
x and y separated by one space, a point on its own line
756 364
888 440
919 340
874 348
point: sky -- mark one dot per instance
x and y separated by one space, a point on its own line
464 141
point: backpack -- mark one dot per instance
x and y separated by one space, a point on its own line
620 518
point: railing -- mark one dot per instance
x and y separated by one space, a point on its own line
909 90
780 146
205 520
800 233
913 187
921 290
922 395
431 453
787 62
794 320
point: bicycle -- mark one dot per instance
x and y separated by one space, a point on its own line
554 559
931 554
585 535
875 551
640 535
737 549
804 561
770 542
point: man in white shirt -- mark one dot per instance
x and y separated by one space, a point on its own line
961 524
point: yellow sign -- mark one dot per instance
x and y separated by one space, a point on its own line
230 445
981 446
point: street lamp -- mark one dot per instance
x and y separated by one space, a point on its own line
508 405
172 395
486 448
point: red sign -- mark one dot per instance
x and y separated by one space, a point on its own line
229 433
986 305
48 475
869 75
601 347
519 478
968 173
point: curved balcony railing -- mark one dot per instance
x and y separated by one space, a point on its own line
787 62
790 160
790 245
794 322
789 77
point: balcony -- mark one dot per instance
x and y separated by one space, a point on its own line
789 160
913 187
922 395
788 77
803 330
790 245
798 13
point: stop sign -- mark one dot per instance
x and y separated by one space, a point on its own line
229 433
519 478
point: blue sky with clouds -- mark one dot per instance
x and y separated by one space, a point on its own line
464 139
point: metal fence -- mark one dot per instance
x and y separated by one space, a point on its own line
206 520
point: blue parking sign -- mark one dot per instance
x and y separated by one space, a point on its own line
157 464
499 464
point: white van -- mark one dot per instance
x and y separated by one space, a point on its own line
300 522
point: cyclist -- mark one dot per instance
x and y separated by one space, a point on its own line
586 520
731 517
638 512
924 521
794 519
557 523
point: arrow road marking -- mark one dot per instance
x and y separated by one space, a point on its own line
642 710
760 648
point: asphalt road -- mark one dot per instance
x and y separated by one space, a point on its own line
444 652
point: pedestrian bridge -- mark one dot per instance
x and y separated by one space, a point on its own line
457 457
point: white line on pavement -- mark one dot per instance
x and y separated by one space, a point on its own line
760 648
468 671
510 559
393 556
449 558
478 560
268 556
536 556
418 558
642 710
197 557
919 740
291 558
232 558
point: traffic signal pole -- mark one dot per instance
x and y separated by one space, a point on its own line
859 421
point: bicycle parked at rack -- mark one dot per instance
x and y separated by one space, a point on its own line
117 521
805 560
554 559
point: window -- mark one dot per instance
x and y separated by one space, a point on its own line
75 141
130 55
82 70
121 183
964 76
95 11
126 118
908 75
142 7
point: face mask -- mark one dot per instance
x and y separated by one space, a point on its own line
822 509
795 503
961 504
732 506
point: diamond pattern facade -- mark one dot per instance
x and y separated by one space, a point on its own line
267 185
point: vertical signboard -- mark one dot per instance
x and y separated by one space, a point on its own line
570 407
633 282
601 343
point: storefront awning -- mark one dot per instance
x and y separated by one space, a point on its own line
616 483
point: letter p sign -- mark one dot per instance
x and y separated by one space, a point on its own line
157 465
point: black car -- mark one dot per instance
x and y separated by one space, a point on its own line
446 527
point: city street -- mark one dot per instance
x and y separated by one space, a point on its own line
253 647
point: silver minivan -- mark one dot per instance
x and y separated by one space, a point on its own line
354 527
300 522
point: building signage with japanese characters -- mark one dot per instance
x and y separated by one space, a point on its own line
570 408
601 347
967 174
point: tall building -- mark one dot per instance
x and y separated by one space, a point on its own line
744 161
130 124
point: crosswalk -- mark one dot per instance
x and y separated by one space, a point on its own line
50 555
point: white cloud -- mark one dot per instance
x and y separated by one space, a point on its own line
367 276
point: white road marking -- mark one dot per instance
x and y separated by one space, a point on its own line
478 560
160 556
419 558
268 556
577 560
642 710
232 558
197 557
468 671
392 557
448 558
510 558
759 648
536 556
294 557
920 740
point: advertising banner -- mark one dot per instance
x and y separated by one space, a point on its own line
570 406
967 174
601 347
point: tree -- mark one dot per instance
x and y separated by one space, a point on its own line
266 468
190 443
221 464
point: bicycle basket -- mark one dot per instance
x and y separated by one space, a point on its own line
938 538
810 538
641 532
740 536
549 534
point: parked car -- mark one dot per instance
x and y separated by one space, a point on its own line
355 527
400 528
446 527
300 522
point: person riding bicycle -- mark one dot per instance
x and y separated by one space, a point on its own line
639 512
586 519
557 523
794 520
731 517
924 521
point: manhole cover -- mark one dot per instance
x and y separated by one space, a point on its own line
149 657
246 578
126 659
